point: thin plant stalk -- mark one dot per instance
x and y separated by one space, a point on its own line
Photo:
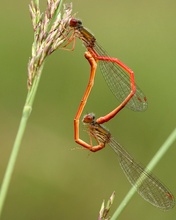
49 33
163 149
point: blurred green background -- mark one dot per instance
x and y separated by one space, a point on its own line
52 179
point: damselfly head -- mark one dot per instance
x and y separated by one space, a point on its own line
89 118
75 23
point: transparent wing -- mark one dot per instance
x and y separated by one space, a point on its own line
118 80
149 187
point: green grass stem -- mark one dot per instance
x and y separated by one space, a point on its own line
49 30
